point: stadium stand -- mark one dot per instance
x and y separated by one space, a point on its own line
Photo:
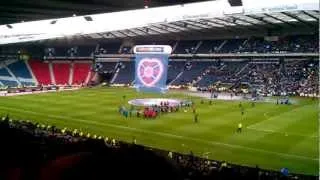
252 58
192 70
126 73
186 47
85 51
231 46
4 72
107 66
9 83
6 79
282 44
175 70
80 72
209 46
112 48
20 70
61 72
50 153
41 71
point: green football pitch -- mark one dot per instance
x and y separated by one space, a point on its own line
273 136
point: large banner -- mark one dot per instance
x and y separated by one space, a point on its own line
151 66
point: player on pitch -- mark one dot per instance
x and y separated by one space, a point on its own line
239 130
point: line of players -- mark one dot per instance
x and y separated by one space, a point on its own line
149 112
165 107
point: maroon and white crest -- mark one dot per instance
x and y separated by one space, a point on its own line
149 71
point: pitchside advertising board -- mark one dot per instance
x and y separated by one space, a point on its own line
151 65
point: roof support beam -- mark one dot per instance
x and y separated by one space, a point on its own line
263 20
173 26
297 18
235 23
146 29
126 35
144 32
310 15
112 34
224 26
163 29
191 26
205 26
278 19
167 27
130 31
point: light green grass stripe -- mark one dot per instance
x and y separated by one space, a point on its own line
282 120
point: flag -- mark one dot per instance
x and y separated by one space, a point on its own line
151 72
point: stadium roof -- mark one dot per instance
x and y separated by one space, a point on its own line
228 23
13 11
201 18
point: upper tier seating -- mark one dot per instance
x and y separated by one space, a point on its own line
232 46
209 46
111 48
40 71
108 66
186 47
61 73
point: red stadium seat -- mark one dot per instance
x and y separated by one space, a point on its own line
61 73
80 72
40 71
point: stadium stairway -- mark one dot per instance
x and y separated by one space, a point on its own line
71 70
175 71
242 69
178 76
53 79
21 72
31 73
126 73
192 73
5 78
12 75
221 45
89 77
115 75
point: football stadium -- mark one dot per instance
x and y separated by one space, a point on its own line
103 89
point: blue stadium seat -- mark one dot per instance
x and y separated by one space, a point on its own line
9 83
126 75
4 72
20 69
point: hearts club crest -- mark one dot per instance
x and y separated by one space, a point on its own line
149 71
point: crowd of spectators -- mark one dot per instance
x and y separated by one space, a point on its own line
37 151
275 44
281 45
269 77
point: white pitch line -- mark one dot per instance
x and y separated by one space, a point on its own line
278 132
167 135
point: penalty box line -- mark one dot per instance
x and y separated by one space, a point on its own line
166 134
